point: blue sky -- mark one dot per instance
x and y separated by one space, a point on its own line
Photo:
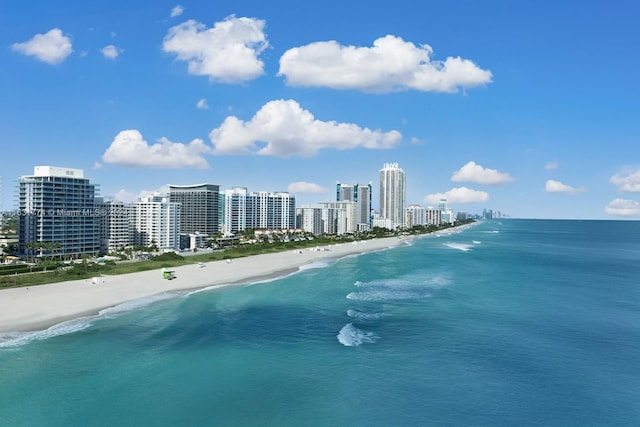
531 108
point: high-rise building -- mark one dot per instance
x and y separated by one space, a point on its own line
414 215
118 225
344 217
157 221
271 211
258 210
235 209
200 207
361 195
58 206
309 219
392 194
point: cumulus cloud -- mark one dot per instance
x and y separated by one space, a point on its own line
552 165
390 65
202 104
226 53
177 11
458 195
472 172
627 182
52 47
282 128
126 196
111 52
130 149
553 186
624 208
302 187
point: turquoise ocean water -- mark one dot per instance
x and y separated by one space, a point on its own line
507 323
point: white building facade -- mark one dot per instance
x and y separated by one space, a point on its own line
157 220
392 194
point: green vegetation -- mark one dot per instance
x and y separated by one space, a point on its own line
51 272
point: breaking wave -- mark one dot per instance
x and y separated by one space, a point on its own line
350 336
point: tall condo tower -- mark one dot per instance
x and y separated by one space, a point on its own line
392 193
200 207
361 195
58 206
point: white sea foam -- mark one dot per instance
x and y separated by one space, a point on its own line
350 336
361 315
476 242
316 264
17 339
385 295
459 246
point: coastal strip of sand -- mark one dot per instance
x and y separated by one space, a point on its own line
39 307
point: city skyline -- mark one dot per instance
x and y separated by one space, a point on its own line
493 106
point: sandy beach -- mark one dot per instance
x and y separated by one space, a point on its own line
39 307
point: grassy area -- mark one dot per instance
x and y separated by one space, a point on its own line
86 270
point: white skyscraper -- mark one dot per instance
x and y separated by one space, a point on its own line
157 220
392 194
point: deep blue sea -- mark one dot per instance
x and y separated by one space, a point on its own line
507 323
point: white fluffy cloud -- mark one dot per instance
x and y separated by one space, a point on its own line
628 182
124 195
130 149
177 11
303 187
458 195
52 47
624 208
282 128
472 172
226 53
553 186
202 104
111 51
391 64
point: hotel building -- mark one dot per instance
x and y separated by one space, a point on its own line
258 210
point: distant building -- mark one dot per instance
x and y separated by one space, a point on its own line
360 194
58 206
260 210
432 216
118 219
414 215
392 194
309 219
157 221
200 207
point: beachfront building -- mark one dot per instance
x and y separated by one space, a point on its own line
200 207
342 214
57 207
258 210
325 218
118 220
360 194
271 211
235 210
392 194
433 216
414 215
157 222
309 219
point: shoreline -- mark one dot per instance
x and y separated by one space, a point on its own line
30 309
